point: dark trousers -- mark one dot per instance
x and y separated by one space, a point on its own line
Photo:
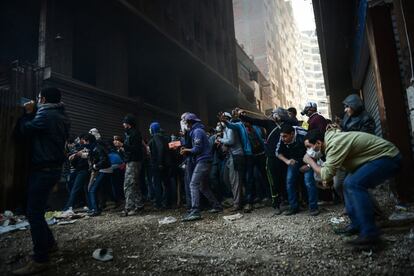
276 175
162 186
40 185
80 178
250 179
101 180
117 182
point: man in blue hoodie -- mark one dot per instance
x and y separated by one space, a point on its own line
201 151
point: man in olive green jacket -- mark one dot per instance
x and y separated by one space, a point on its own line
369 160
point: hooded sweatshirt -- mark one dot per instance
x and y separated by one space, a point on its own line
48 131
201 149
360 120
351 150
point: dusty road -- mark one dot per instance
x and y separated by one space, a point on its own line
256 244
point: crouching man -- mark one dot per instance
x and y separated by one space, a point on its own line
369 160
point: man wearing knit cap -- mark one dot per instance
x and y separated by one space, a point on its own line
133 155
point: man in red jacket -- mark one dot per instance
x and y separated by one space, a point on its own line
316 120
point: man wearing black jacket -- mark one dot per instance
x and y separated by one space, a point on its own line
276 169
48 129
160 165
133 154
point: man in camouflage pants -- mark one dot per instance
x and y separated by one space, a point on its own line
133 156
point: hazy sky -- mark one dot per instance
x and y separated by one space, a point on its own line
303 13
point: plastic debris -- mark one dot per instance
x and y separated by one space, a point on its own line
233 217
133 257
63 222
167 220
397 216
103 254
18 226
336 220
411 234
367 253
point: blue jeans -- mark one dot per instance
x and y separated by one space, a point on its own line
199 183
188 171
358 202
291 177
80 179
101 180
40 185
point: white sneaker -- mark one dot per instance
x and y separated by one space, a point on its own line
68 213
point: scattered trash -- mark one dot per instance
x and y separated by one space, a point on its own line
411 234
52 214
390 238
367 253
401 207
167 220
132 257
18 226
396 216
233 217
335 220
182 260
63 222
103 254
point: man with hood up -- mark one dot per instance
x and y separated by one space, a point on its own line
201 152
356 118
159 165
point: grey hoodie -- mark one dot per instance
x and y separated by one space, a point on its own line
360 120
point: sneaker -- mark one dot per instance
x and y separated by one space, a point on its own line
191 217
215 210
347 231
290 212
314 212
248 208
235 209
31 267
277 212
68 213
365 242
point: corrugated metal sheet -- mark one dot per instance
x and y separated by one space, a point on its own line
369 91
89 107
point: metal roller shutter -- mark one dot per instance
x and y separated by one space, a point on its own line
369 91
89 107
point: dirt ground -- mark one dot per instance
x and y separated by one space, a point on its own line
256 244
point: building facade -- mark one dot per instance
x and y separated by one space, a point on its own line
254 87
315 84
267 32
155 59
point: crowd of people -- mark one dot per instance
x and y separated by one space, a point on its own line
253 160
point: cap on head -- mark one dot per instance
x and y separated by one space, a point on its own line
155 127
95 132
227 115
130 119
191 117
